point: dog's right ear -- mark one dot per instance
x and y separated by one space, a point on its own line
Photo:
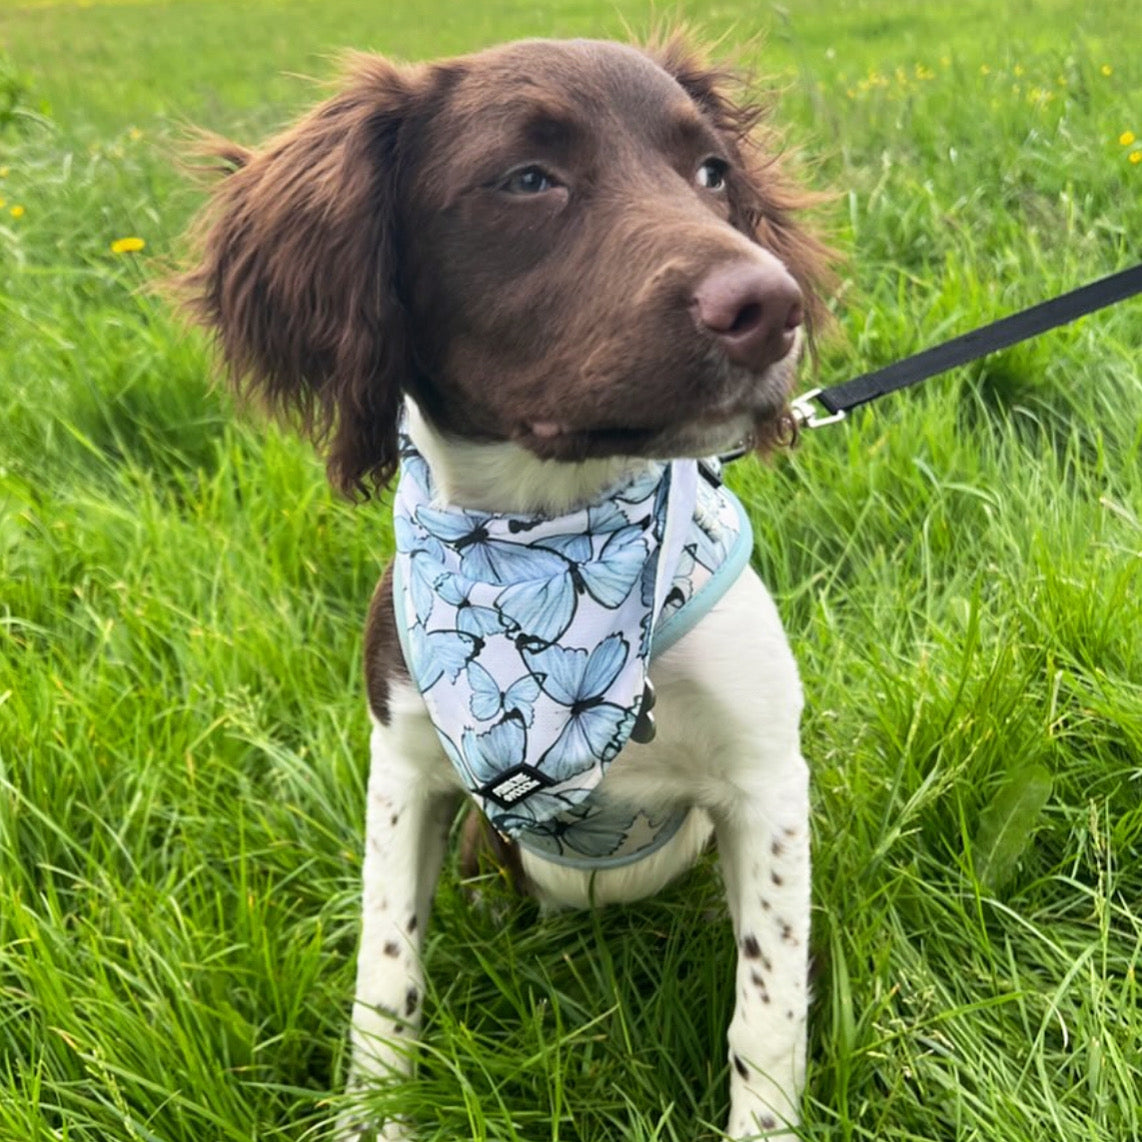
297 268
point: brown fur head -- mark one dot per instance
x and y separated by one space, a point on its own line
390 243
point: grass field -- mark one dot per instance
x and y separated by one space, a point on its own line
182 722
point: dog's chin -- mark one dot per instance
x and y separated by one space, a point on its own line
756 418
757 431
760 429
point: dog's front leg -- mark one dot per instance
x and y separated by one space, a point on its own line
406 828
763 847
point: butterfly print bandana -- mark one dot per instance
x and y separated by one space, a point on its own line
529 638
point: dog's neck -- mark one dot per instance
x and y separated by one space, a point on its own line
504 477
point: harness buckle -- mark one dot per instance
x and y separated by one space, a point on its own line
807 414
734 452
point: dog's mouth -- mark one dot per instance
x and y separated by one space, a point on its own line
705 436
757 413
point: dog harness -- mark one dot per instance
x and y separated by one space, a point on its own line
530 637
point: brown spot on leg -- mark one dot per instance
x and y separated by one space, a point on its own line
741 1068
392 948
750 948
410 999
759 983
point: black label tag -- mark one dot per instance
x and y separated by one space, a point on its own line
513 786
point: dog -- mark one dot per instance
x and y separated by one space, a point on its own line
533 278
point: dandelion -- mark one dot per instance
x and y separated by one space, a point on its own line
3 172
127 245
1126 138
17 211
1018 69
134 134
1136 157
1106 69
984 69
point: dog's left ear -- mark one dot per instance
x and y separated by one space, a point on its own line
297 269
766 203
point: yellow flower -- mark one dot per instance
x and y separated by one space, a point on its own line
3 172
1018 69
127 245
134 134
17 212
984 69
1126 138
1106 69
1136 157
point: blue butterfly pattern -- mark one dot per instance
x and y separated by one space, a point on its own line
595 729
488 701
529 638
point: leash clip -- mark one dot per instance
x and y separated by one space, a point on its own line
807 414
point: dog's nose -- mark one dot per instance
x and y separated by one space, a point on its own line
752 309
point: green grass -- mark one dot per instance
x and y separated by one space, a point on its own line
182 726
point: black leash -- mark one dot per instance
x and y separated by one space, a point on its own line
1002 334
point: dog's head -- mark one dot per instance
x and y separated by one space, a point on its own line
580 246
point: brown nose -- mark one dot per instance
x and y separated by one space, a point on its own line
752 309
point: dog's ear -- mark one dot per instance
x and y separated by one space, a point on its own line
765 201
297 269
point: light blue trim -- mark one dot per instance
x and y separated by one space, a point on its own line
590 863
674 626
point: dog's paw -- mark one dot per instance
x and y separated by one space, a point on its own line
761 1124
355 1126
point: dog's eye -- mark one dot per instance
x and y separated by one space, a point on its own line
712 174
528 180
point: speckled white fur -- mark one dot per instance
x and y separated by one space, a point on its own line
729 705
